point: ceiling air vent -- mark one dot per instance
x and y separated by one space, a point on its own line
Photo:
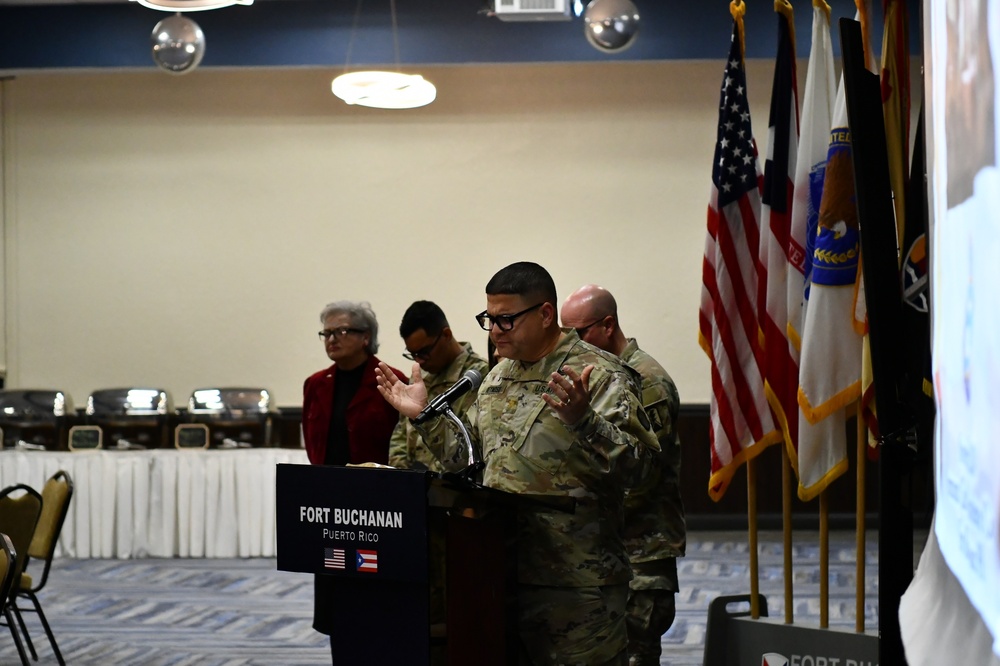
533 10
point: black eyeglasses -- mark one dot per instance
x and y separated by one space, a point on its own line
583 330
424 352
503 322
337 333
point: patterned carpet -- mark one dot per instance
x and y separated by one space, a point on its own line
212 612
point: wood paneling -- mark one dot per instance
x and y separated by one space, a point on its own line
730 511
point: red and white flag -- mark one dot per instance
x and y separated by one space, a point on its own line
781 372
367 561
740 425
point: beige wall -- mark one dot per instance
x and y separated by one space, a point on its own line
182 232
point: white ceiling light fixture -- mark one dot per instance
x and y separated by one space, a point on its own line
381 89
190 5
384 90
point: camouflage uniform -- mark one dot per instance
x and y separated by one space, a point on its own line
655 533
436 447
572 568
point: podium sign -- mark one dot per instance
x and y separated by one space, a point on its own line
368 534
352 522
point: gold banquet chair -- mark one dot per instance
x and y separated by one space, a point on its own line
20 509
56 496
8 558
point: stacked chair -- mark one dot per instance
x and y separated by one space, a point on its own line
7 556
20 510
8 559
56 496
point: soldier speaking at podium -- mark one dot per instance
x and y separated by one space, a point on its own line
556 416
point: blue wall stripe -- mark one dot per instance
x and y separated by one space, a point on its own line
290 33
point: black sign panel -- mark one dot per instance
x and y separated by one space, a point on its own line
770 641
354 522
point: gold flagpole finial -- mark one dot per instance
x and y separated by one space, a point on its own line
784 7
862 6
738 9
821 4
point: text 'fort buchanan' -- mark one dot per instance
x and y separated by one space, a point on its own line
353 517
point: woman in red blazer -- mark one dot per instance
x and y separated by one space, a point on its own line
344 417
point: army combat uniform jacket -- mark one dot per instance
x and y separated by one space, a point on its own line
654 513
527 449
436 447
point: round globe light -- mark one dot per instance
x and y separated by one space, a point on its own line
611 26
178 44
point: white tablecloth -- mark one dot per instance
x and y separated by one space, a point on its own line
161 503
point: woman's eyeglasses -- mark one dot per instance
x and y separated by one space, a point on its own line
337 333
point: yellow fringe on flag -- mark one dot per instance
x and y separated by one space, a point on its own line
817 413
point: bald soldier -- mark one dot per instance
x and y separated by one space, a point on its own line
655 533
556 417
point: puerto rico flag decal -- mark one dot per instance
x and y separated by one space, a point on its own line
368 561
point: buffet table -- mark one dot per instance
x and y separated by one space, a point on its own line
163 502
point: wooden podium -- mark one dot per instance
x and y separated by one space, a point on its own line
374 530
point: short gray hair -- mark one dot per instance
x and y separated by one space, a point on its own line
362 316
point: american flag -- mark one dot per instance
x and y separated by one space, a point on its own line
741 424
333 558
367 561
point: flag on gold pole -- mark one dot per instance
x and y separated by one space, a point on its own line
833 322
780 369
895 83
740 424
810 168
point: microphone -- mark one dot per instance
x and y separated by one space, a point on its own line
470 381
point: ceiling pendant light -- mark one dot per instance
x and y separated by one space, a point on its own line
384 90
190 5
381 89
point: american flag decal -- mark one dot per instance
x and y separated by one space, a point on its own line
333 558
367 561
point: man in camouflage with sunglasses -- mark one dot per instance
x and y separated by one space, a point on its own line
443 360
556 417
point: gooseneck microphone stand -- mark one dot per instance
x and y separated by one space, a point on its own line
473 472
